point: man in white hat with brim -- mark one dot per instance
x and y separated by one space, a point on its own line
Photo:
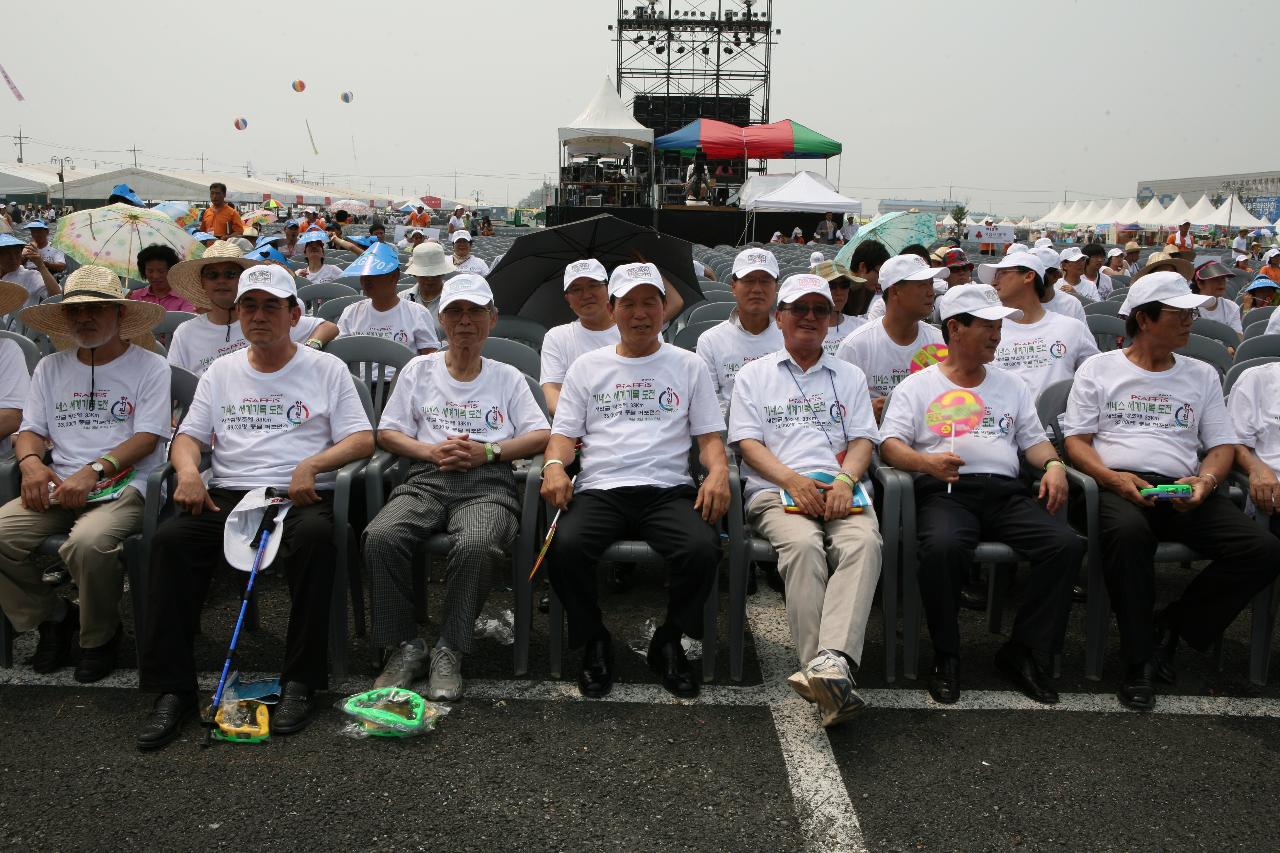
586 291
750 331
961 426
209 282
462 257
829 557
460 482
1144 416
277 415
103 404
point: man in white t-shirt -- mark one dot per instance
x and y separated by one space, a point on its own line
750 331
455 220
1074 263
1093 277
900 343
796 413
636 408
461 420
1240 245
1254 406
384 314
462 257
1142 417
1040 346
38 282
586 291
1055 300
15 378
865 262
209 282
278 416
103 405
849 229
54 259
960 426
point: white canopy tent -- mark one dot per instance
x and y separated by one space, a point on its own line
758 185
1203 212
1091 215
1175 214
805 192
1053 217
36 178
1108 212
1071 216
605 127
1151 214
1234 214
1024 222
948 220
1128 213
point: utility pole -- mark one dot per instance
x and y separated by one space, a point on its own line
202 162
455 184
20 138
134 149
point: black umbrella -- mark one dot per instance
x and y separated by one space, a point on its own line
529 280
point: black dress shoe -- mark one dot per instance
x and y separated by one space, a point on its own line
944 683
666 658
1079 594
595 679
1137 691
53 650
297 701
164 723
1166 646
99 662
1019 666
973 596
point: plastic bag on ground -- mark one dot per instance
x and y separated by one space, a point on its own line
502 628
389 712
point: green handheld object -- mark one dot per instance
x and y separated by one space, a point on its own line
1166 493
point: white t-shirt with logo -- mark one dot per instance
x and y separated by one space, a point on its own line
805 418
198 341
1144 421
1044 352
837 333
15 384
472 264
1226 312
30 280
1103 286
407 323
428 404
261 425
883 361
1083 287
1254 406
50 255
636 416
1065 304
326 273
566 343
1007 423
130 395
726 347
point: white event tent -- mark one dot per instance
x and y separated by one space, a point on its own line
805 192
605 127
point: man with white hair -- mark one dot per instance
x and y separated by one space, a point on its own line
102 403
750 331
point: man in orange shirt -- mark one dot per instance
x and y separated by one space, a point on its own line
310 219
420 218
1182 238
220 219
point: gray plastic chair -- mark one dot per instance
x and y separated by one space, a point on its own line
1233 375
520 329
30 351
331 309
1220 332
687 338
366 357
163 330
1252 316
717 311
1106 307
1209 351
520 356
313 295
1253 330
1106 328
719 296
1258 346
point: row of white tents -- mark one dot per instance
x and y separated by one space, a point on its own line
1230 213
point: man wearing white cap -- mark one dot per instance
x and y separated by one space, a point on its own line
803 424
960 426
1040 346
900 343
455 220
1074 262
586 291
210 282
636 407
280 416
100 411
462 257
460 482
1057 301
750 331
1142 417
1043 243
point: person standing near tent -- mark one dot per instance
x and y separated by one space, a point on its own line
1183 239
827 228
850 228
1240 245
219 218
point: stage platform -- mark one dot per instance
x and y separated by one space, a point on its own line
709 226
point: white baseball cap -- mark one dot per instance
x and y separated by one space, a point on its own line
816 258
1166 287
1115 253
1235 259
1044 243
466 287
750 260
1048 257
802 284
589 268
980 300
987 272
1016 247
908 268
1269 254
627 276
269 278
460 235
1071 253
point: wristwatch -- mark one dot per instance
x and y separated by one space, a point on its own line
98 469
493 452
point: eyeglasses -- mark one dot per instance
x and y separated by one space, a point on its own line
1183 314
819 311
475 312
213 275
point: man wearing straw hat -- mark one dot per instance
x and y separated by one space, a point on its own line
103 404
209 283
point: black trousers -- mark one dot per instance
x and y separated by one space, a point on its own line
1245 560
999 509
663 517
187 550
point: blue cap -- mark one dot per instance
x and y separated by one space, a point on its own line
1258 281
267 240
125 193
313 237
291 223
378 259
266 253
10 240
36 223
201 236
365 241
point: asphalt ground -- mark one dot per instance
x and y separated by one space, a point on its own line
526 765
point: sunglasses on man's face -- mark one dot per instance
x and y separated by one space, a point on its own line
819 311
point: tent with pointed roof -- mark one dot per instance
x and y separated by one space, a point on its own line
605 126
1071 216
807 193
1234 214
1106 215
1053 217
1130 213
1203 212
1151 215
1175 214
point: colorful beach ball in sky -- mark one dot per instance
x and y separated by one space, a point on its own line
298 85
347 97
242 123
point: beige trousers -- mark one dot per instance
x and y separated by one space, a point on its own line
830 569
91 553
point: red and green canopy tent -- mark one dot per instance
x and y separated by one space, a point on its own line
781 140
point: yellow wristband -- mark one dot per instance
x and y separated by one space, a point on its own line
845 478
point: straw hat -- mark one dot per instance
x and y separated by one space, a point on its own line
94 284
429 259
1160 261
184 277
832 271
12 297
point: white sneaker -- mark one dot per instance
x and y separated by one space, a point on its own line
408 664
832 686
445 683
799 682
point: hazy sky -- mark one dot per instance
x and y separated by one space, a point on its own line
1012 103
